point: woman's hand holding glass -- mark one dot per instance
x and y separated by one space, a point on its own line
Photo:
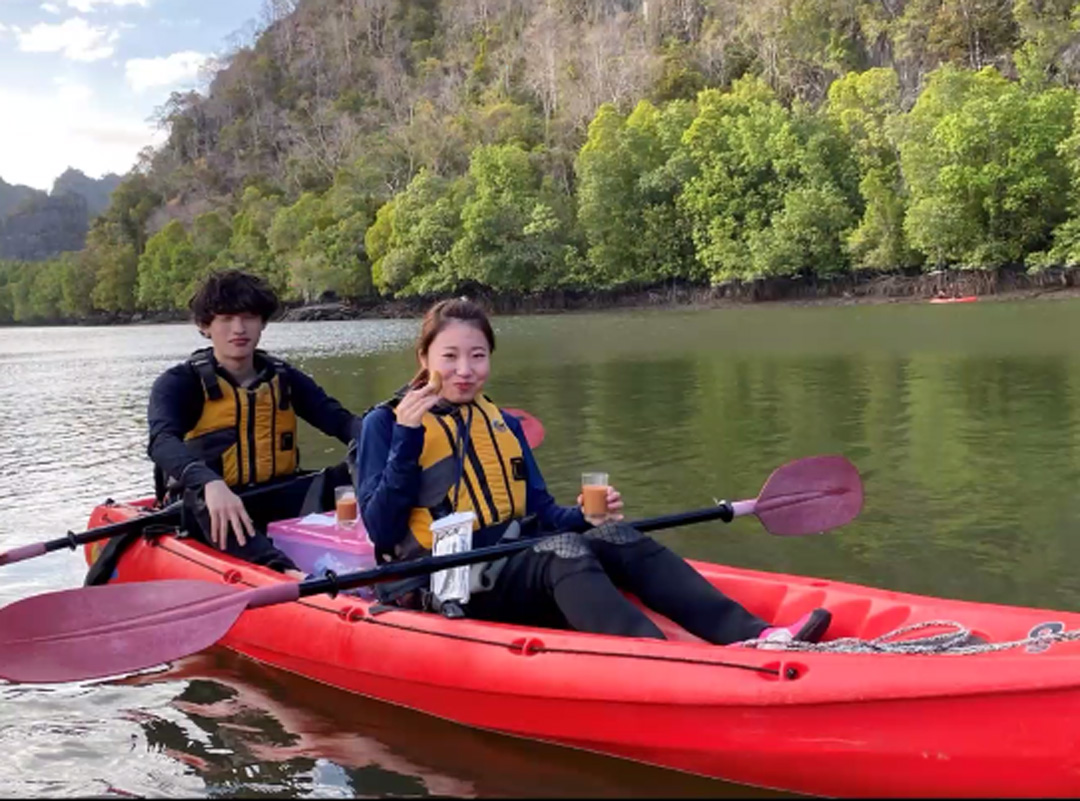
614 508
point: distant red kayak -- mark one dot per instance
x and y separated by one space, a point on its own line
838 724
964 299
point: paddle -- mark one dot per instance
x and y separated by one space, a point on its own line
100 631
166 514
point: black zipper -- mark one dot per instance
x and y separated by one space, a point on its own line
239 439
273 430
251 436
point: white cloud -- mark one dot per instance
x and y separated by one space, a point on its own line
51 8
67 126
75 38
87 6
143 73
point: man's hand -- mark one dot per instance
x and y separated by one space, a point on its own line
226 509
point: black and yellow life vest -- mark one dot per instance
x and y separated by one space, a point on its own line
246 434
486 477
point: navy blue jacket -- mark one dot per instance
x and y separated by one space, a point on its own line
388 480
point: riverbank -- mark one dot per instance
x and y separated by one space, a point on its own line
841 290
850 289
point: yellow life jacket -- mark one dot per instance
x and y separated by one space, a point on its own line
487 477
247 434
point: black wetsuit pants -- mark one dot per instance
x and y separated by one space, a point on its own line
574 580
286 502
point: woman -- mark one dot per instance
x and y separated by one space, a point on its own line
441 446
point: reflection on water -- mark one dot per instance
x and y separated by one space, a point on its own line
241 727
964 420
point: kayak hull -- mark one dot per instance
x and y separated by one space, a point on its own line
841 724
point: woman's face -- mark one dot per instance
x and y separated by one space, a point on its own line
460 353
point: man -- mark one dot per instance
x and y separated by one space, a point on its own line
225 419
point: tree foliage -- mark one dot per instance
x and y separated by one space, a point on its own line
384 147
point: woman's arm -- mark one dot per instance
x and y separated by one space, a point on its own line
388 476
538 500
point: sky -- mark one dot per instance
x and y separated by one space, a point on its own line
80 79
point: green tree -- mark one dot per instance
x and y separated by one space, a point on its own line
966 33
513 236
409 243
750 154
864 106
113 259
7 278
45 290
76 286
117 239
1047 29
210 236
630 170
168 268
248 247
981 158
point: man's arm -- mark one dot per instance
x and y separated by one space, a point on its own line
321 410
174 408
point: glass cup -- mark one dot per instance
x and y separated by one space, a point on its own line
594 490
345 505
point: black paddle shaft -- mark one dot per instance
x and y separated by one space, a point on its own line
162 516
431 564
72 540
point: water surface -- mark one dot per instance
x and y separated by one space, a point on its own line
964 421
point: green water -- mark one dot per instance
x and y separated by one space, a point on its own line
963 420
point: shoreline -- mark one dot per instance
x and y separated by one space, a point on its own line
851 289
847 290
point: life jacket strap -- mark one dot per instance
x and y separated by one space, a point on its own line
283 382
203 364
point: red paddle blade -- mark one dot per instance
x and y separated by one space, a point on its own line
810 495
533 428
90 632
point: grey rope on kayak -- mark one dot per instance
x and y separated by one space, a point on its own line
960 641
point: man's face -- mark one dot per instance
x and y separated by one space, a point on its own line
235 336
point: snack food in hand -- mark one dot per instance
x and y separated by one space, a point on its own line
435 381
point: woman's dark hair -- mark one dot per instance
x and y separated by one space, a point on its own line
232 292
440 316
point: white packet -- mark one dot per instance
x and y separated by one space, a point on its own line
452 534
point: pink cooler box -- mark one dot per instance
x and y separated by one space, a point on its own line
316 542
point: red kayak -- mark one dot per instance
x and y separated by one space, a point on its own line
964 299
998 723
